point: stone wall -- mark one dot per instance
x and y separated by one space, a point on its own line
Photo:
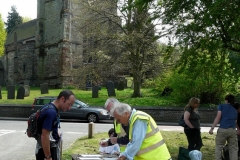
160 114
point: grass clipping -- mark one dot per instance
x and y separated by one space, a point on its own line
174 140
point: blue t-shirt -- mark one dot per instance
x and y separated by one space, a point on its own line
49 120
229 116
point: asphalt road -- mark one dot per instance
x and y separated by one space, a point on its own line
15 145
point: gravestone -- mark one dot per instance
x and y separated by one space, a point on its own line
11 92
125 83
95 92
20 93
0 92
27 90
44 88
132 86
26 82
115 84
120 86
111 89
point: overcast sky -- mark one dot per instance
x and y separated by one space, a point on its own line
25 8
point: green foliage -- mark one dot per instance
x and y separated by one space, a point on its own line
26 19
13 20
208 24
150 98
131 39
173 141
2 36
201 75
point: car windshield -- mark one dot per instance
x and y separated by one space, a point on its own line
81 103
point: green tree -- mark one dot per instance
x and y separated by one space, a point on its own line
26 19
127 38
204 23
2 36
13 19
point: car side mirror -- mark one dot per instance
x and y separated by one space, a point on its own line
79 106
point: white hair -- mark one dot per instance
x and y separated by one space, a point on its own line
110 100
121 108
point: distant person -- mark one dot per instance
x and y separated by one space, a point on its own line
192 119
113 149
227 116
48 124
146 141
121 131
237 107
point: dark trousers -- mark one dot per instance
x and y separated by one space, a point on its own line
194 138
41 156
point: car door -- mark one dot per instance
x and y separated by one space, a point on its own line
76 112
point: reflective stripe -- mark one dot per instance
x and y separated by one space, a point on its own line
141 115
156 145
154 131
122 147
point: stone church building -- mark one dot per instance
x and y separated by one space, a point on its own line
48 49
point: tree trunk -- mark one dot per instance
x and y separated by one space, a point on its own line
137 84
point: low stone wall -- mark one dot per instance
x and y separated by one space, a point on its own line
163 114
18 111
160 114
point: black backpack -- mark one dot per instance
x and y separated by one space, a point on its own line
225 153
181 121
32 131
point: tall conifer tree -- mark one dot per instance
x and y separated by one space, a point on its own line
13 19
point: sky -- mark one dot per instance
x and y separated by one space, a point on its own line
25 8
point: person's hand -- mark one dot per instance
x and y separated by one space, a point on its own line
113 140
103 143
116 153
122 158
211 131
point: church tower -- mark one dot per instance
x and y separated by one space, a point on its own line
58 42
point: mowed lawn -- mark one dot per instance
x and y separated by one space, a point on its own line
149 98
174 140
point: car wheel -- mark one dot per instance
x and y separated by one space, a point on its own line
92 118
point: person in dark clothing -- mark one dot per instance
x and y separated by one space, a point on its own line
122 131
237 107
48 124
192 119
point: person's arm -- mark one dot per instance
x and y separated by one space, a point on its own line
138 135
123 140
46 143
186 119
216 121
238 129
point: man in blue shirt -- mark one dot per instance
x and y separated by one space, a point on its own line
227 116
48 124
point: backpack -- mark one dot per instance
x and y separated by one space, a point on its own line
181 120
225 153
32 131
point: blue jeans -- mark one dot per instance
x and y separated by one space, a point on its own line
194 138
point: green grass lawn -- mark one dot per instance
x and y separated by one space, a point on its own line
174 140
150 98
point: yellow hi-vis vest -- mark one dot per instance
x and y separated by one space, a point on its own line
153 146
120 133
